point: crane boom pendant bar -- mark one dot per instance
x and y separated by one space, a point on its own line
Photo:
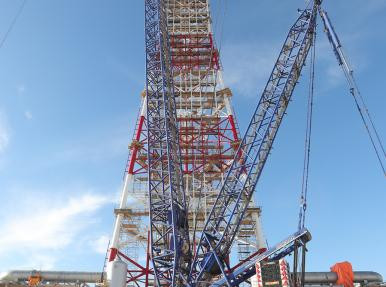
170 246
236 192
354 91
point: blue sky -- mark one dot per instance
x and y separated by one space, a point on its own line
70 77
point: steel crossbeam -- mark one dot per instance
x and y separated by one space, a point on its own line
236 192
170 245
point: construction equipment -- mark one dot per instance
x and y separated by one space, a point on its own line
208 136
241 179
178 258
170 247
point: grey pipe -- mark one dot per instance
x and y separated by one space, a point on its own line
52 276
332 277
95 277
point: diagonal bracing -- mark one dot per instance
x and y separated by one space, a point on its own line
168 221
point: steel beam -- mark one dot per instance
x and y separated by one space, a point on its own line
236 192
170 247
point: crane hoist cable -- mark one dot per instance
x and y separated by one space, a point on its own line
370 117
307 142
196 213
371 136
221 24
209 258
14 20
354 91
306 164
235 193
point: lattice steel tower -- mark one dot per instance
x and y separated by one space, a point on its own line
208 139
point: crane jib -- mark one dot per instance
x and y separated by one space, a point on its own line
239 184
171 64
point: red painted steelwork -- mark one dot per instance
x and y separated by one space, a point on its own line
113 254
135 275
206 141
194 51
233 127
260 251
136 146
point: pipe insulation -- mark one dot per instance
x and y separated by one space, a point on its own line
95 277
51 276
332 277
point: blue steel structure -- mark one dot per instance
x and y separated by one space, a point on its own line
248 269
170 246
224 220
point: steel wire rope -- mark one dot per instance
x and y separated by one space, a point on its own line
353 90
358 99
352 82
216 24
220 22
370 118
219 25
369 132
13 23
362 115
194 154
199 136
307 142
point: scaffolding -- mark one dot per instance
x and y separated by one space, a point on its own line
208 137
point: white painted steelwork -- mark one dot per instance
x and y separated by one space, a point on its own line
116 273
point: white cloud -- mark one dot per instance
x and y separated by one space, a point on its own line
4 133
330 72
28 115
248 65
56 225
87 148
38 261
40 228
100 244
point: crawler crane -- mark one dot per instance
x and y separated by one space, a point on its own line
177 261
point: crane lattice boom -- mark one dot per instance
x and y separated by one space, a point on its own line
241 179
168 221
182 111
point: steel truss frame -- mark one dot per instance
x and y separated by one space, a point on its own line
193 55
208 138
224 220
138 275
170 245
194 51
247 269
